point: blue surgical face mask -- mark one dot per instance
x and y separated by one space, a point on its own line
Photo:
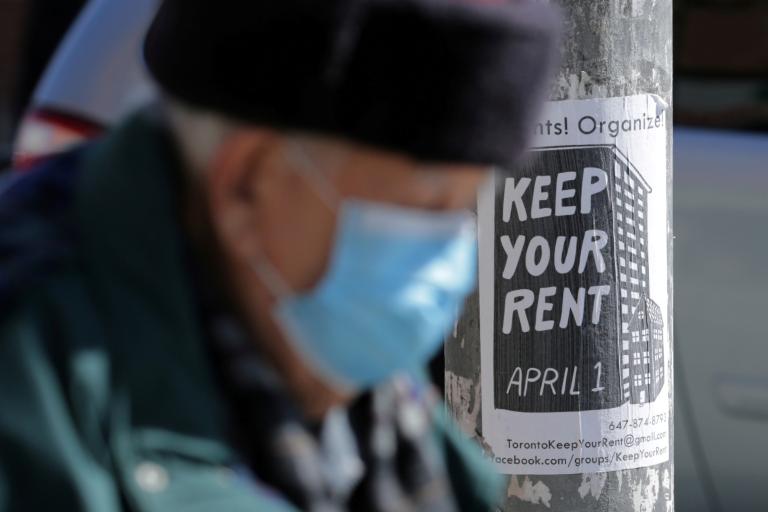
396 281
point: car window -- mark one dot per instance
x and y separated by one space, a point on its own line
30 31
722 64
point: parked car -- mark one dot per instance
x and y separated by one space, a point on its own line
95 77
721 214
721 249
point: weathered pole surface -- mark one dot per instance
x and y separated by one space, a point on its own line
612 49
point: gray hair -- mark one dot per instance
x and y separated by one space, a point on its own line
199 133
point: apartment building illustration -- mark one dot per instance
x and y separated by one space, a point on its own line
642 327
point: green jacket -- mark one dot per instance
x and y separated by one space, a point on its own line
107 398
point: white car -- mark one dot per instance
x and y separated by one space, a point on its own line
721 320
95 77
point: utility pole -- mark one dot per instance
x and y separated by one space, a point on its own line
561 366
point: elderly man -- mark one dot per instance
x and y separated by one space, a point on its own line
226 303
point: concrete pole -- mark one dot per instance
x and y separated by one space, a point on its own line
612 49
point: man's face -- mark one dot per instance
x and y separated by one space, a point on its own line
283 193
277 197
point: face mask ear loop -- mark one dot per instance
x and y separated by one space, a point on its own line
305 166
264 269
271 278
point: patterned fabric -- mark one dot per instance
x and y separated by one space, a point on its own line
379 454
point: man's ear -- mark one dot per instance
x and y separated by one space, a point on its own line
238 167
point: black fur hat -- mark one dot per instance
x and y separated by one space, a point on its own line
441 80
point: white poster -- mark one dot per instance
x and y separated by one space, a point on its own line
575 342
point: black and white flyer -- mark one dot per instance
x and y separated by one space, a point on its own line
575 342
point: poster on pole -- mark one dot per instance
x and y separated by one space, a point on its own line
575 342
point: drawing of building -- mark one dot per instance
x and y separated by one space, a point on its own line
642 339
627 338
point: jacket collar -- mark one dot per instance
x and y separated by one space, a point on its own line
128 211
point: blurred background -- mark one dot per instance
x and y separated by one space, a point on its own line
721 199
721 59
30 31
